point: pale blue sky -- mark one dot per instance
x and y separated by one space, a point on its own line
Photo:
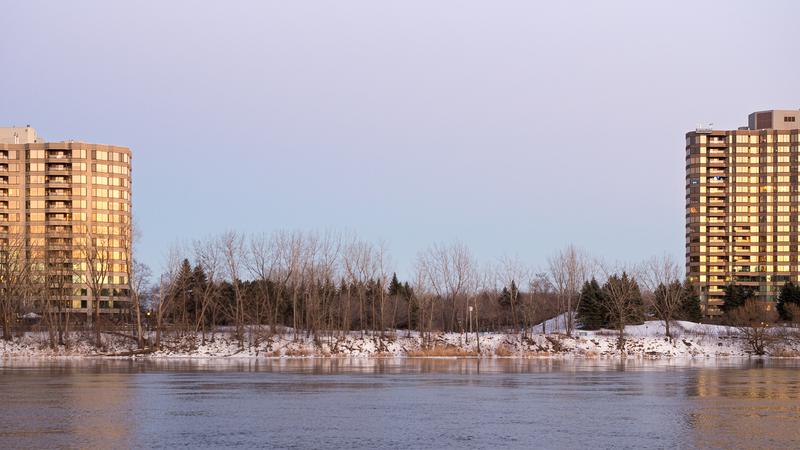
515 127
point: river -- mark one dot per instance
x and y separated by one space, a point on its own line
391 403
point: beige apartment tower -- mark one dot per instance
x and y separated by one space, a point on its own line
742 207
67 207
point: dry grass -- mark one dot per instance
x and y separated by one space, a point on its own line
785 353
441 350
503 350
296 352
537 354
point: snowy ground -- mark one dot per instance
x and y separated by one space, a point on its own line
646 341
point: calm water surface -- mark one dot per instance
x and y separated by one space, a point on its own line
416 403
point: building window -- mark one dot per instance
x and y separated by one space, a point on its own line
789 119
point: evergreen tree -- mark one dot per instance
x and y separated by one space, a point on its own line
637 315
591 313
395 288
199 280
508 294
505 298
790 295
623 303
735 296
690 308
407 292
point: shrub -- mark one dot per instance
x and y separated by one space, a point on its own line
755 322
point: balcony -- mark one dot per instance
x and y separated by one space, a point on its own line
63 231
58 205
55 192
58 179
57 217
58 154
58 167
717 142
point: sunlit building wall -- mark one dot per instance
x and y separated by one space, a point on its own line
70 203
742 206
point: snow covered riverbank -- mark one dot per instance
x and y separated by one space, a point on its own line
645 341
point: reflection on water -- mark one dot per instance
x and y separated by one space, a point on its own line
388 403
756 405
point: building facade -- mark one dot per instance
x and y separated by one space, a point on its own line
66 206
743 207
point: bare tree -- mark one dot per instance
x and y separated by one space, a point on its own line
96 255
61 277
167 290
449 270
326 266
538 287
623 303
420 293
231 244
38 289
137 275
14 274
360 267
381 263
755 321
568 270
208 256
514 273
138 279
664 292
262 263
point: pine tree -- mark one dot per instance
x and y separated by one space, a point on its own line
505 298
790 295
623 303
735 296
690 308
407 292
591 314
395 288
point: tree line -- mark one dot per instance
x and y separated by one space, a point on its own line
328 284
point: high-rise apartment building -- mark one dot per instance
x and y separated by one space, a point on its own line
66 206
743 207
